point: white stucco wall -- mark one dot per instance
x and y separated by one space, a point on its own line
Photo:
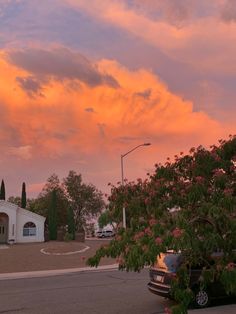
17 217
24 216
10 210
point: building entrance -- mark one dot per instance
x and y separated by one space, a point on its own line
3 228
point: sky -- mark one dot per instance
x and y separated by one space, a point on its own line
83 82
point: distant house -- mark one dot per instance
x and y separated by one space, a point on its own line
18 225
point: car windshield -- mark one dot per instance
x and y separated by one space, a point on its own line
169 261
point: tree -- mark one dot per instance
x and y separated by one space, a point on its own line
71 222
105 219
14 200
2 192
52 216
42 203
23 196
187 205
85 200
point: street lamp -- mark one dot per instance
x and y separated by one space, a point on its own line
122 175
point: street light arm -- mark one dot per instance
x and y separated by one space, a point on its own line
130 151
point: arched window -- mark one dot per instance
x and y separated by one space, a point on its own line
29 229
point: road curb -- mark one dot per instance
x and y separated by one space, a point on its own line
56 272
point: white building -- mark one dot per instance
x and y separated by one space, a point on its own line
19 225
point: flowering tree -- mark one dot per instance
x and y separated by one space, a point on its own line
187 205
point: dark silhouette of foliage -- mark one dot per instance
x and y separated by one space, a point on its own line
42 203
15 200
2 191
23 196
71 222
52 216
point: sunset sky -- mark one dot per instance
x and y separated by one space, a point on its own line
84 81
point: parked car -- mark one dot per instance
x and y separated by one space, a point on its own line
105 234
164 272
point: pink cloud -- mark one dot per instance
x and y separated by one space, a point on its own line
205 43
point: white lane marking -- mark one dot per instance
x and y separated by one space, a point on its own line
43 250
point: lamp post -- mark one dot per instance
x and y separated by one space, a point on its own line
122 175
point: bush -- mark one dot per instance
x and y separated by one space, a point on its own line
68 237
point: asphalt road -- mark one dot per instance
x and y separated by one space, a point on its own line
106 292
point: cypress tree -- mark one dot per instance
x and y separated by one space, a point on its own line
23 196
52 216
2 192
71 222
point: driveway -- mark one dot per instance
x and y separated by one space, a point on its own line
49 255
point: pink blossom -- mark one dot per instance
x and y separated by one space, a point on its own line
148 231
177 233
167 310
199 179
218 172
230 266
138 235
145 248
210 190
216 156
232 168
83 258
228 192
158 240
152 222
127 250
152 193
146 201
120 260
118 238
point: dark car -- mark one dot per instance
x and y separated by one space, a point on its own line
164 272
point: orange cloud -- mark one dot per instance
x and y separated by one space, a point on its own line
72 125
59 122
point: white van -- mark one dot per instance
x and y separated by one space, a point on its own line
105 234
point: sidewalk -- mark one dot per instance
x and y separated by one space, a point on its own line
221 309
55 272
